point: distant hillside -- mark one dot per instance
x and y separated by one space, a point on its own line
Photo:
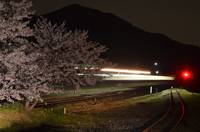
128 46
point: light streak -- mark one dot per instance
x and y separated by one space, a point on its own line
136 77
129 77
125 71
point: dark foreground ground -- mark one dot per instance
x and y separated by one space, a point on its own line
133 118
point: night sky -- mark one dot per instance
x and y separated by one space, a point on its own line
177 19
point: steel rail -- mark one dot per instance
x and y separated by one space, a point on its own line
163 117
51 102
54 102
182 112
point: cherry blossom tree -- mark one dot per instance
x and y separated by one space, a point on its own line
63 49
21 78
16 66
29 70
14 18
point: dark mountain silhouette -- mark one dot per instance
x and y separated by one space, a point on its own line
128 45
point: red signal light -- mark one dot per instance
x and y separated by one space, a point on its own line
187 75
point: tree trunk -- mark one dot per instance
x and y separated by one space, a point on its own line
27 103
28 106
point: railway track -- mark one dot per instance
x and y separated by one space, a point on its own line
172 117
65 100
51 102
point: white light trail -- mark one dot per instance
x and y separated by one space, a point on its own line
119 77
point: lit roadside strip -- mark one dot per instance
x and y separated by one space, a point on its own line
129 77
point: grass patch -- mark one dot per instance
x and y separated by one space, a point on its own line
13 117
191 119
13 107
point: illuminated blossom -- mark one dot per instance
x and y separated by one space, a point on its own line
29 70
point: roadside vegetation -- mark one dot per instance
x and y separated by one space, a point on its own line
86 115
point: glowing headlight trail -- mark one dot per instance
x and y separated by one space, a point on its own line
129 75
125 71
